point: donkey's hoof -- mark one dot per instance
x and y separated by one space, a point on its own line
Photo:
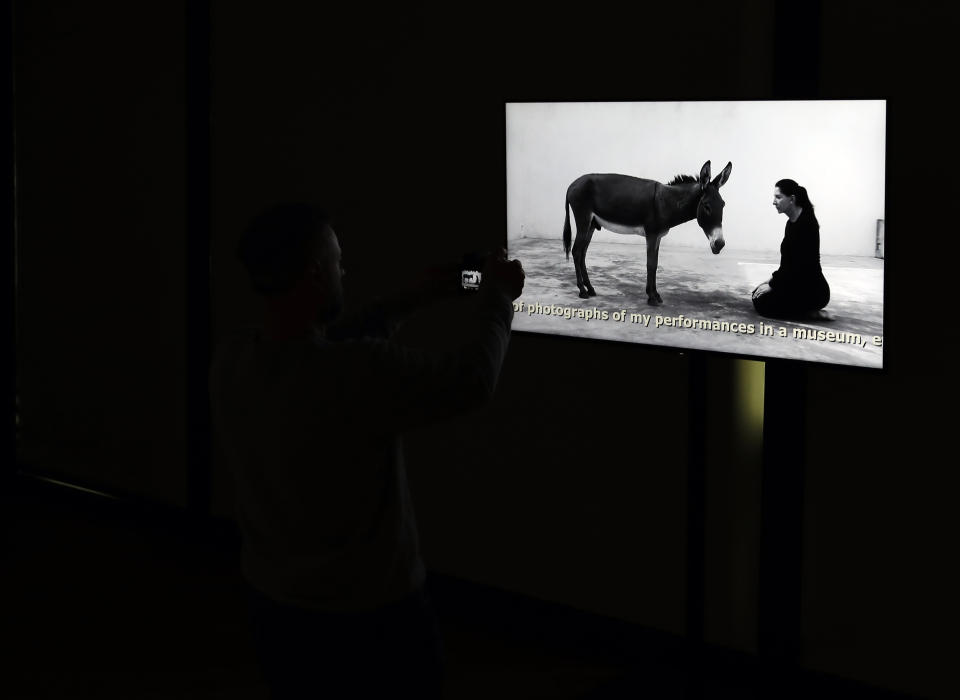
654 299
591 293
584 294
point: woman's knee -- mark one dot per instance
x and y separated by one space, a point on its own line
762 302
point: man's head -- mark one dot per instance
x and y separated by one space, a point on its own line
291 253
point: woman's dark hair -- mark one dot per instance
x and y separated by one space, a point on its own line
790 188
275 246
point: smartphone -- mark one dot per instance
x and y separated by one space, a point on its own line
470 271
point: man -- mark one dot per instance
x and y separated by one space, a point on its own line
309 410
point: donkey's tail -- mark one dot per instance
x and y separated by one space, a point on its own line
566 228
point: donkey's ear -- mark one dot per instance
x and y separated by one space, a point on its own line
723 176
705 174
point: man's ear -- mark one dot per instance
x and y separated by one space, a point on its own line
313 274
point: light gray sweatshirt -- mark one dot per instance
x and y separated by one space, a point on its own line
311 428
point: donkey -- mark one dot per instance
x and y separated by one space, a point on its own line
633 205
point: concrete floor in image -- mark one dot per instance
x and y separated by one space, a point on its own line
699 285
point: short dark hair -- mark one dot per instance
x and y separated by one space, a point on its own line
275 246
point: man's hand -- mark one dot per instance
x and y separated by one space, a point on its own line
503 274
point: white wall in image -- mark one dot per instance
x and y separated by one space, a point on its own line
836 149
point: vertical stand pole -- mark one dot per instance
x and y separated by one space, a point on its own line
781 533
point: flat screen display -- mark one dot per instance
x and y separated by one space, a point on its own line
753 228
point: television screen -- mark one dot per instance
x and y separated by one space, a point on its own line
752 228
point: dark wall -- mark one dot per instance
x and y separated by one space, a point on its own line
880 589
571 485
100 205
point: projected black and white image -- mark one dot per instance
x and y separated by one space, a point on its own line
658 223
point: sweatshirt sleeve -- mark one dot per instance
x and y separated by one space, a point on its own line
385 385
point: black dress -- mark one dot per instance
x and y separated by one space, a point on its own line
798 287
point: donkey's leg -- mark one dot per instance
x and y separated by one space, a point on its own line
653 257
583 262
584 234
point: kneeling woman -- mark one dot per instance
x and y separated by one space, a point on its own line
798 288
